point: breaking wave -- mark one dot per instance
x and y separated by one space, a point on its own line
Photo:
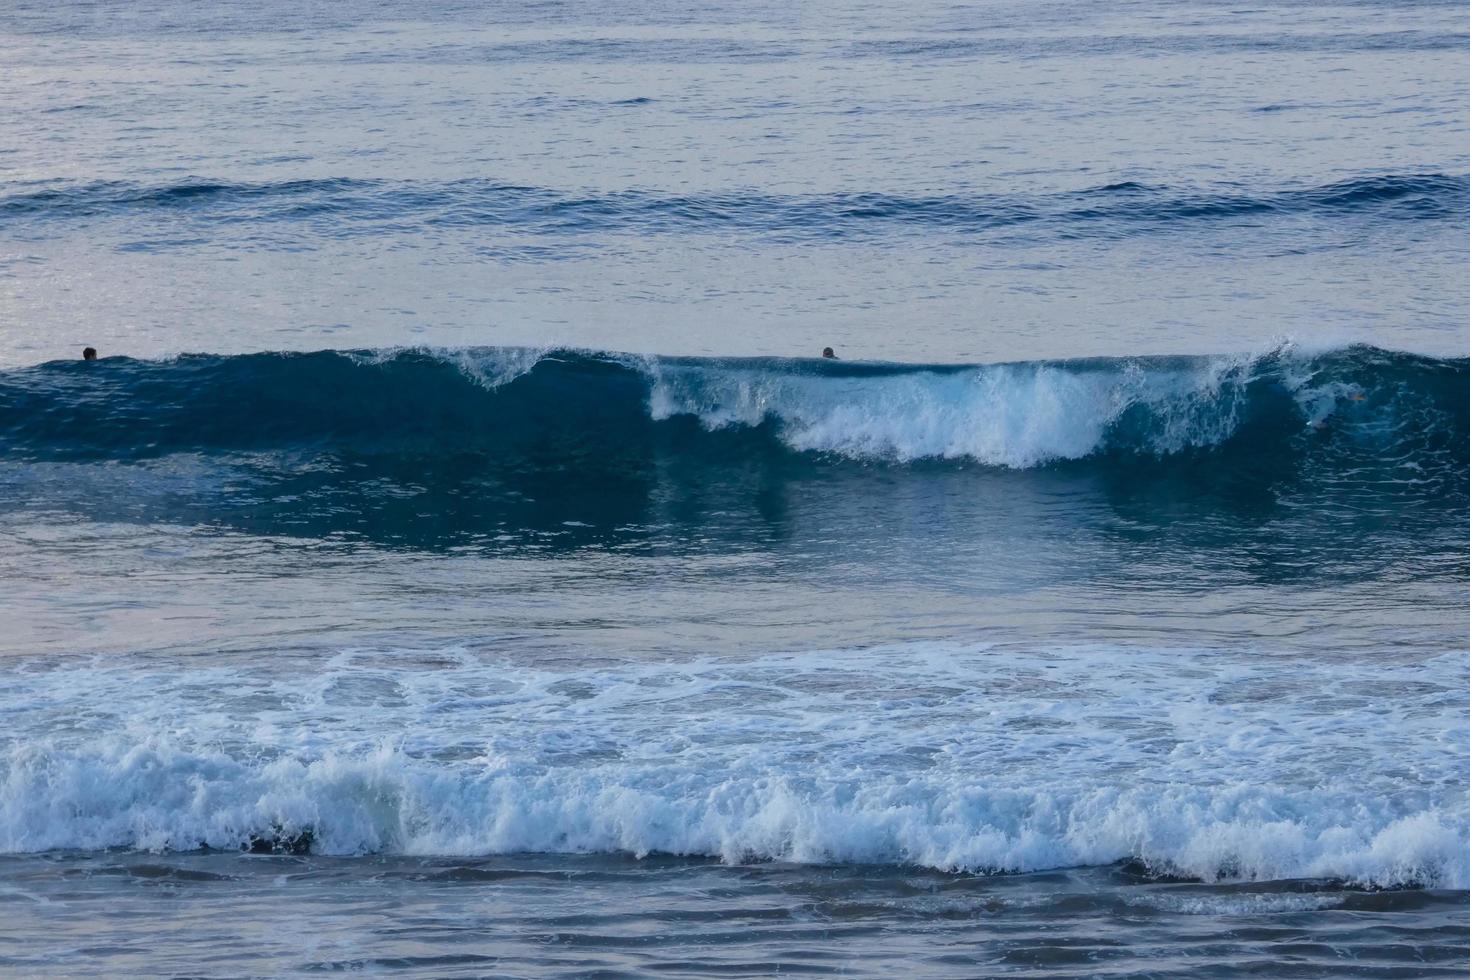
942 756
560 409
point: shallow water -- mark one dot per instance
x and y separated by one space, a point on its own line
457 565
603 916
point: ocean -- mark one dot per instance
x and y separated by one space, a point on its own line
460 560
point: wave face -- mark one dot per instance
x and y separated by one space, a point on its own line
437 448
1086 756
563 408
347 206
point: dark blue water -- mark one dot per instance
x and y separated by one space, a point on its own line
459 563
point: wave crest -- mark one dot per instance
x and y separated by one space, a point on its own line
558 407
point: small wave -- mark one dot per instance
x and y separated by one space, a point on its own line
1110 210
105 197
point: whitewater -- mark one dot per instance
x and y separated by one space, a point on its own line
1191 763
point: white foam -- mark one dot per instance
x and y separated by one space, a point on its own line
1015 415
961 758
1255 903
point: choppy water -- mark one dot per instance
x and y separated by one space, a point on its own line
457 565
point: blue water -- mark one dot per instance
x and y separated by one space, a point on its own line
459 562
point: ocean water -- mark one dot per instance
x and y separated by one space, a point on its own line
459 564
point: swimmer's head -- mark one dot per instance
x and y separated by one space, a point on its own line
89 353
828 352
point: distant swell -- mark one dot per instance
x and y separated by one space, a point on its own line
365 205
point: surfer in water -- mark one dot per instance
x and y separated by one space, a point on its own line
89 353
828 352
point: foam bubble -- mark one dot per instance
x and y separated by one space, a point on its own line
1256 903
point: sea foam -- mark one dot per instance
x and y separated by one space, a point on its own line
1013 415
972 759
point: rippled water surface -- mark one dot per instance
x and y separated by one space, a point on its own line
608 917
457 564
926 182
